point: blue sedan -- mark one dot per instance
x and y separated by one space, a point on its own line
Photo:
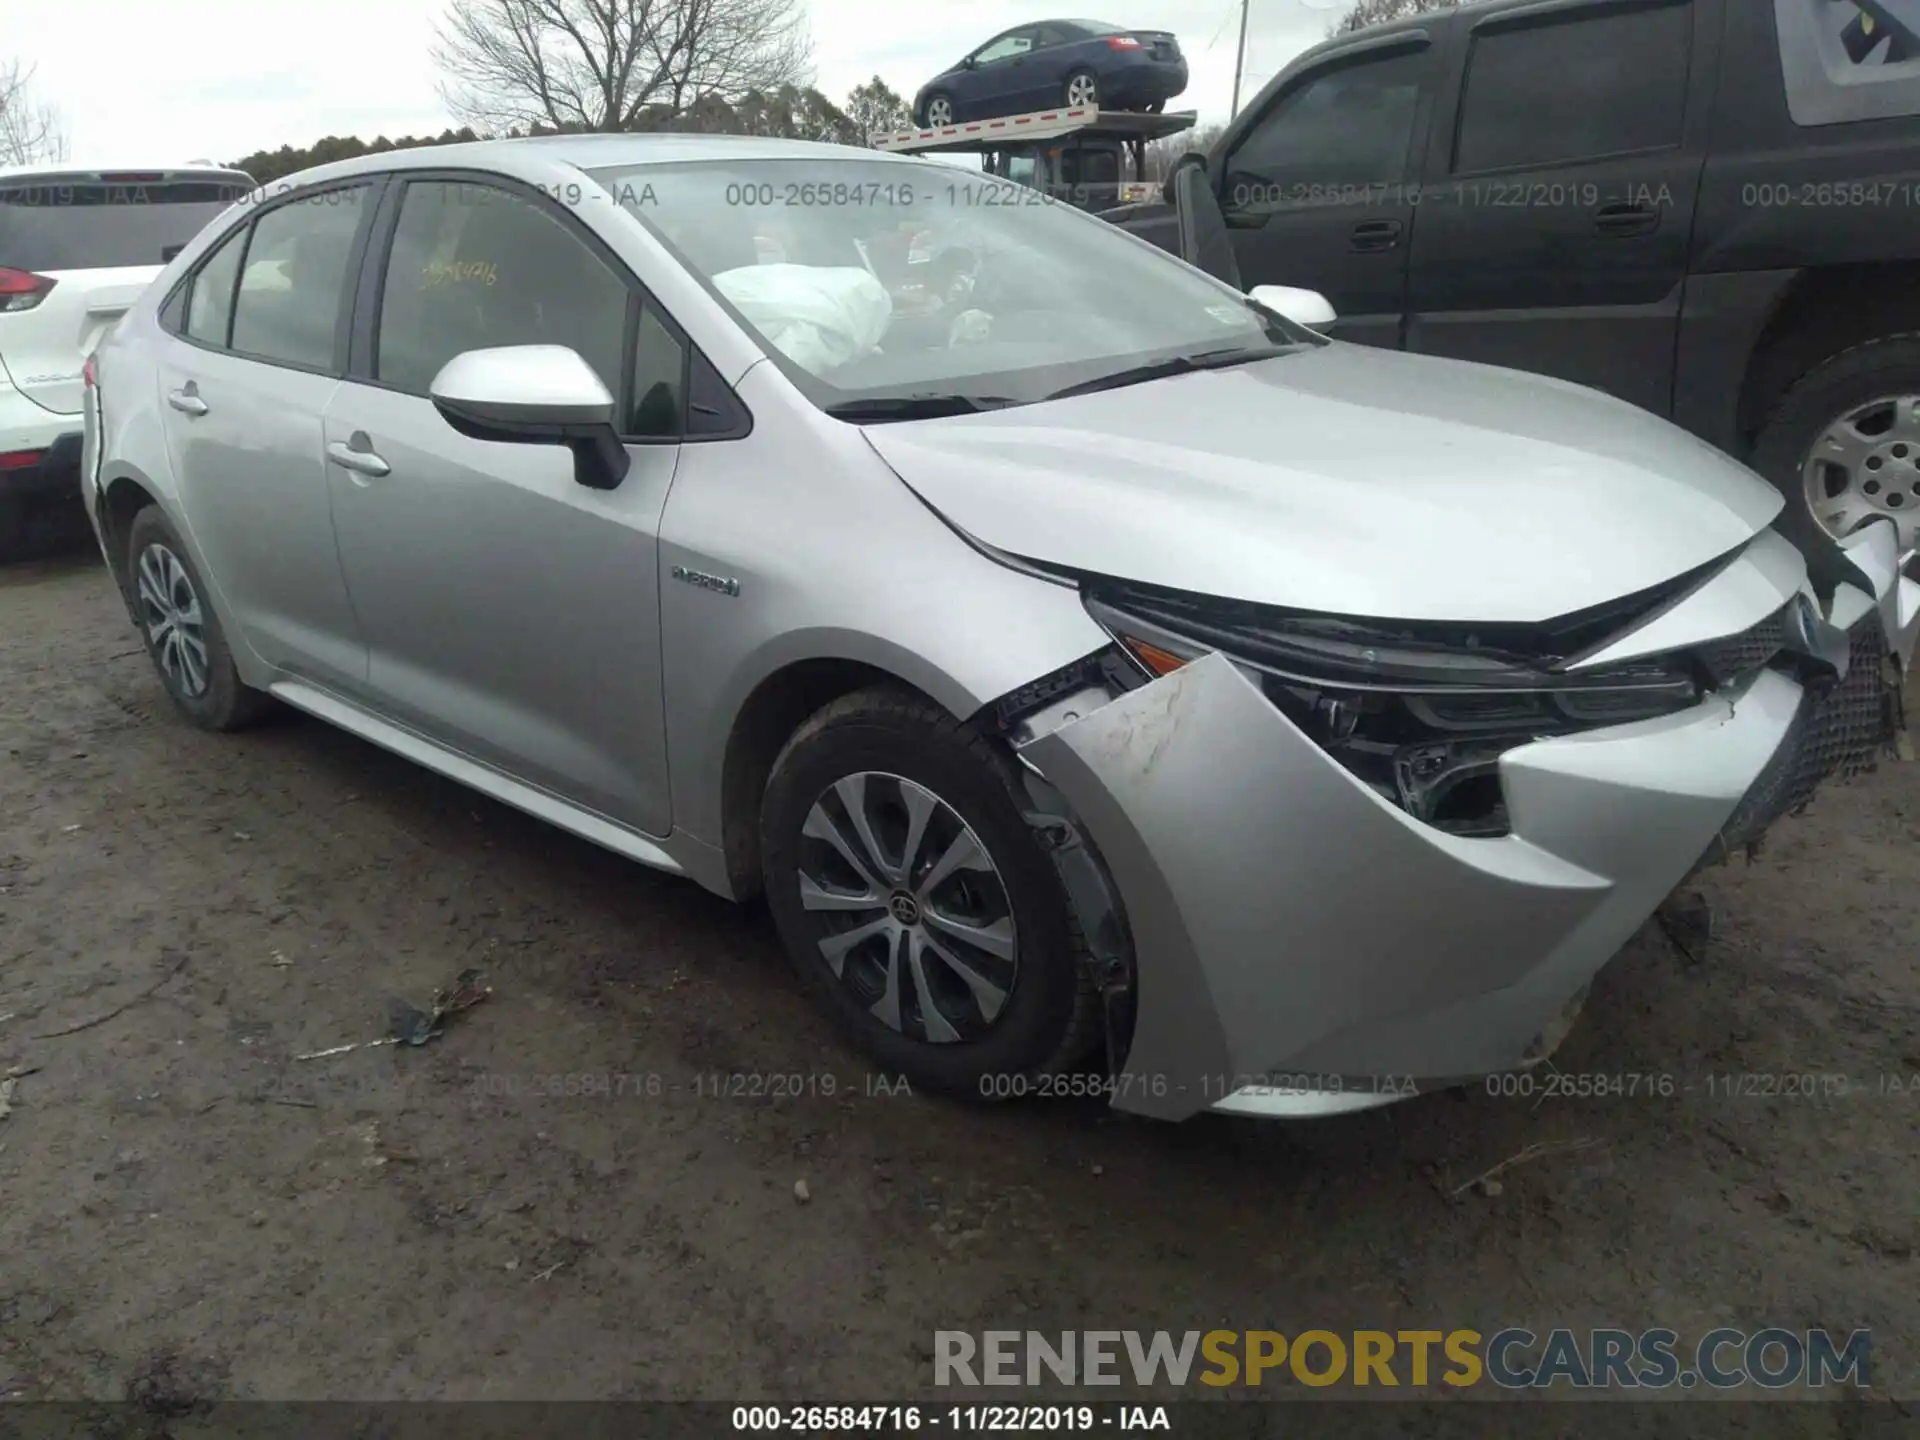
1057 62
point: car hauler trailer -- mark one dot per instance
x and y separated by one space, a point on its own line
1093 158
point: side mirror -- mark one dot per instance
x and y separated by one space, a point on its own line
1304 307
535 395
968 63
1187 161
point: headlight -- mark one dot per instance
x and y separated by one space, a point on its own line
1421 718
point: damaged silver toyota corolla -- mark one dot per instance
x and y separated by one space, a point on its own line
1077 653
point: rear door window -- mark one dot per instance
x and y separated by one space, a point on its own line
288 305
56 222
1561 91
1847 60
210 301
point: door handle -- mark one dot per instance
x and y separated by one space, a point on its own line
1626 219
351 457
186 402
1247 219
1370 235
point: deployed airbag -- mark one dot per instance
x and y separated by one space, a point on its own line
819 317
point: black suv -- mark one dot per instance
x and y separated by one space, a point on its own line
1708 207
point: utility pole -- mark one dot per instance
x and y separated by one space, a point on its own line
1239 58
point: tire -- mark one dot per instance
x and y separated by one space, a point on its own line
33 527
1081 77
1046 1023
166 585
939 97
16 533
1156 107
1884 476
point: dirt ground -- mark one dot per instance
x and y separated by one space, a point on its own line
186 1203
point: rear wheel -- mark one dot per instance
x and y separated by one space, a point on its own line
182 634
1082 88
1844 442
915 903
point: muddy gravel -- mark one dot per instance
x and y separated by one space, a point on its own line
554 1199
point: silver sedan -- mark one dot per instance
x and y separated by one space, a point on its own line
1100 672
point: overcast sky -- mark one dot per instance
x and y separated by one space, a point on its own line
140 83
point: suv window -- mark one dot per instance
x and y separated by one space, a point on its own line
65 222
210 298
1349 126
475 266
287 308
1845 62
1565 90
1005 48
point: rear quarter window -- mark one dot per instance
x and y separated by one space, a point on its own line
55 223
1849 60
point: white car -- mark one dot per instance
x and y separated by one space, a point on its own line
77 246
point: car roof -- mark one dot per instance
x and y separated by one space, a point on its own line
584 152
31 172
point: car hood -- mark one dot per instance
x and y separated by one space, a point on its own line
1344 479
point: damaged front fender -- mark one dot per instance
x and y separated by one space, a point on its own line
1288 921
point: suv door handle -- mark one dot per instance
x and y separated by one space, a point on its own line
1626 219
1371 235
356 457
186 402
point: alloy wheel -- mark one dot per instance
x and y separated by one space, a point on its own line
914 916
1867 464
939 112
175 623
1082 89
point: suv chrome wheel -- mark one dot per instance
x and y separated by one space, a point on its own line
1867 464
176 626
915 918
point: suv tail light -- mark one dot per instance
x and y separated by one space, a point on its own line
90 373
21 459
1122 42
22 289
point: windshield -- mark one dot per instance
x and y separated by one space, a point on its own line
869 279
56 222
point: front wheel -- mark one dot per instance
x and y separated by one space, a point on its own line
915 902
1844 442
937 113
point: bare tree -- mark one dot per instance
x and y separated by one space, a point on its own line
875 108
1366 13
30 132
611 65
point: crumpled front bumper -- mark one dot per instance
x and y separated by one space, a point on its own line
1304 947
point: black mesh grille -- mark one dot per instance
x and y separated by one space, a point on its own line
1727 660
1852 724
1835 735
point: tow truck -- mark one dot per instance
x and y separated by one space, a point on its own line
1092 158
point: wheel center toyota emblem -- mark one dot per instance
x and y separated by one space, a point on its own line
904 908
